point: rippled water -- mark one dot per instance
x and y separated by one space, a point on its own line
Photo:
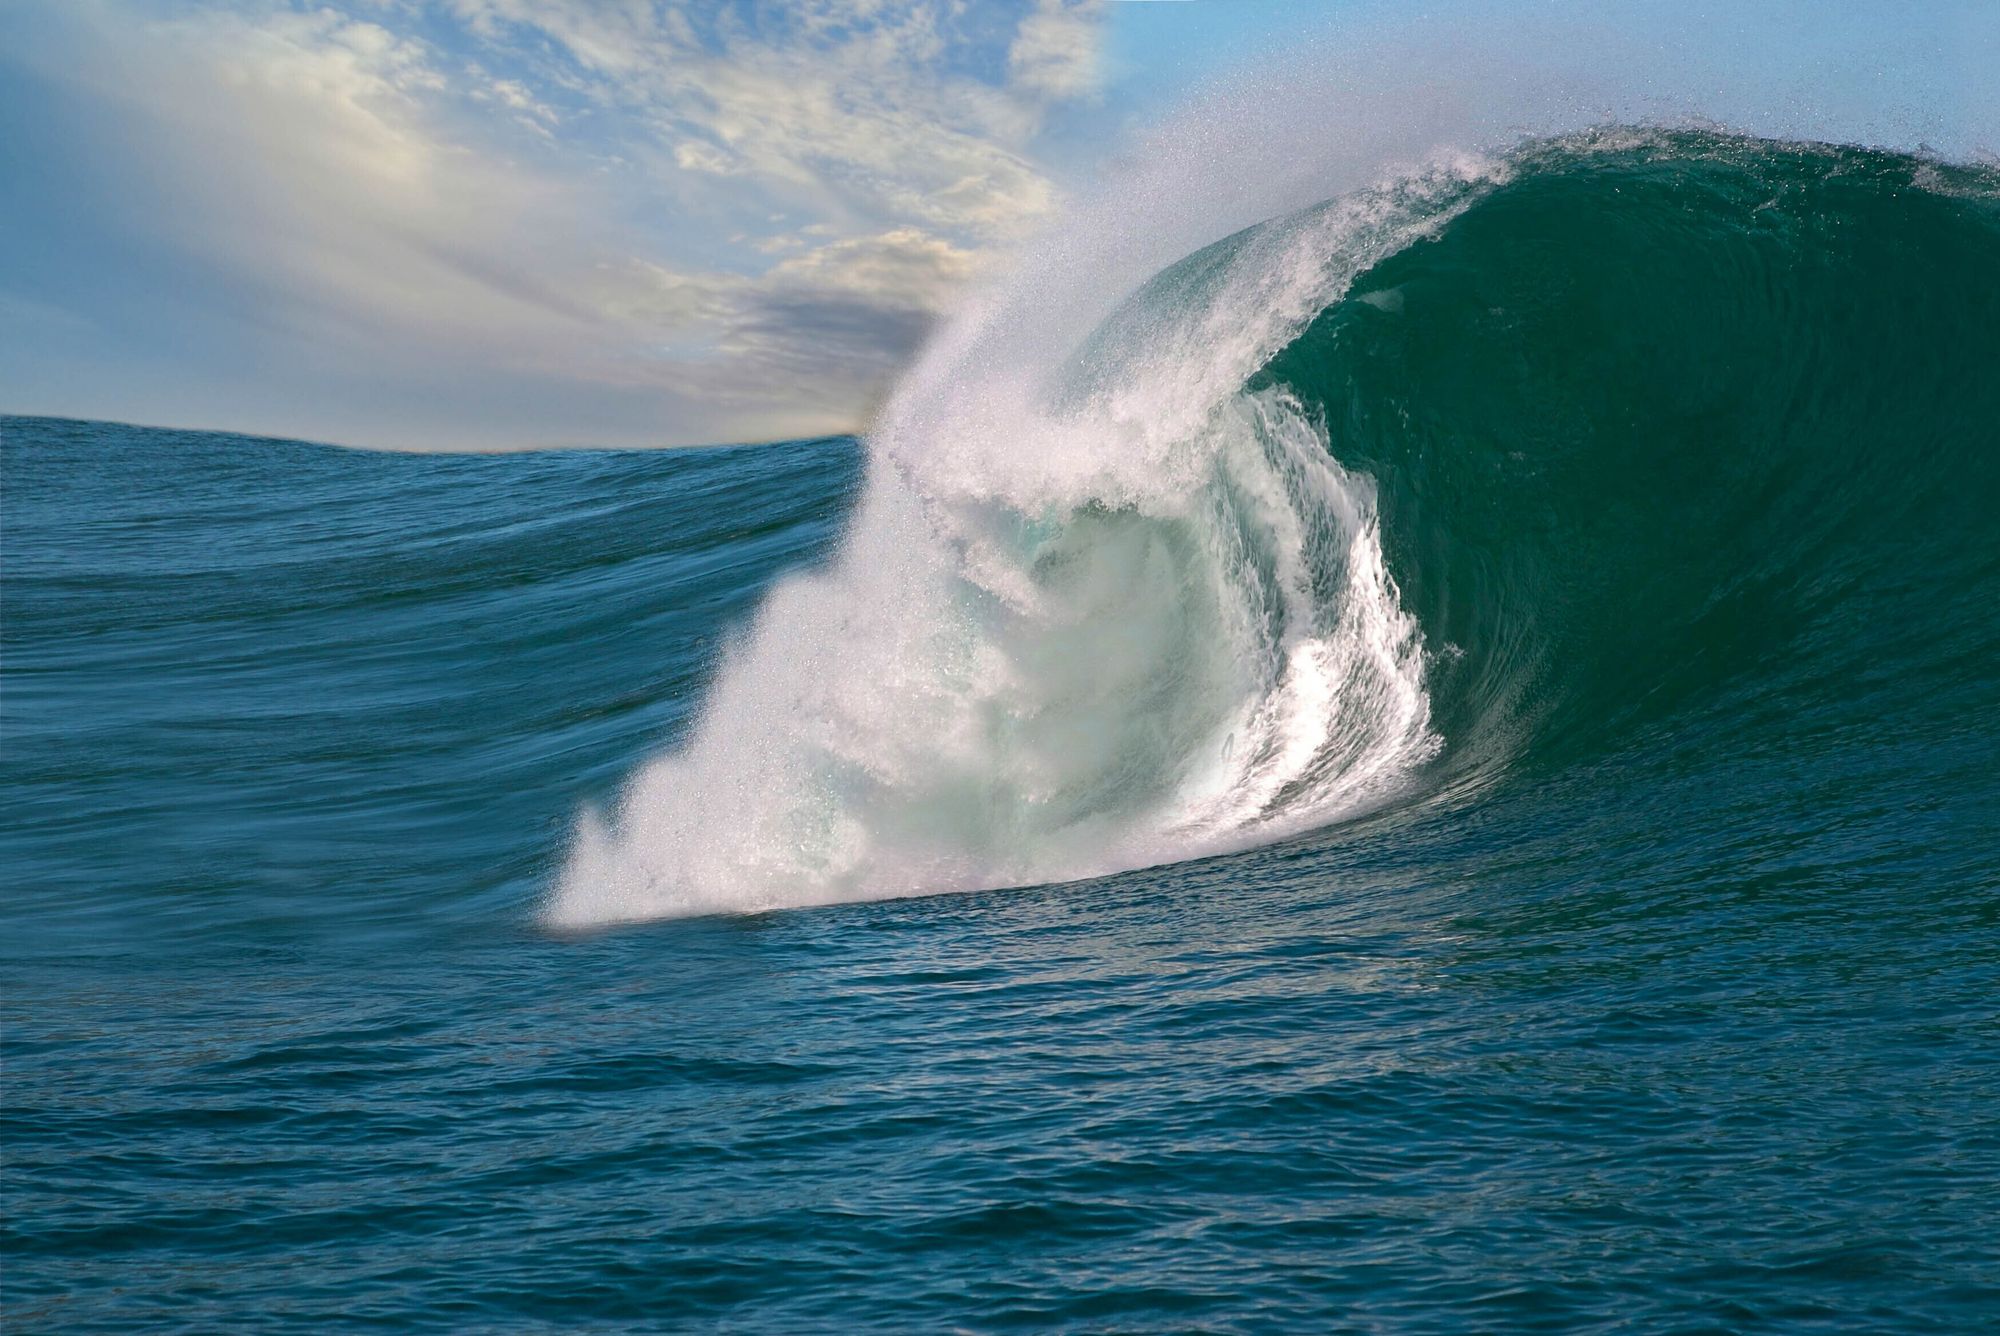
294 739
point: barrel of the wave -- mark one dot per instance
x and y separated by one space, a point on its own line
1681 427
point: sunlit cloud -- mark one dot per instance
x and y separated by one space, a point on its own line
732 220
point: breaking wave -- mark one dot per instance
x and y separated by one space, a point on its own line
1490 467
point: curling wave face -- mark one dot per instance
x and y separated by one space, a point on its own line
1488 469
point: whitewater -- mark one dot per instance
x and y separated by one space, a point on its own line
1095 611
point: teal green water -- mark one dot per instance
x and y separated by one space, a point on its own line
1664 997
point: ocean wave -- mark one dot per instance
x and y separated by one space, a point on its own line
1479 470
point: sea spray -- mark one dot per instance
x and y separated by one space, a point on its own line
1099 608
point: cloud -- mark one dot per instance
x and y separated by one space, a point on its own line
867 111
1055 53
728 220
826 324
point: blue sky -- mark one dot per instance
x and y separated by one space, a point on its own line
495 223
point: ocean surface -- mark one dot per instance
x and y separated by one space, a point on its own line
1436 773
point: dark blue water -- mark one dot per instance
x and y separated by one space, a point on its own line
293 738
1665 998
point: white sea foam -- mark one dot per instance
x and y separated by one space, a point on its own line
1098 608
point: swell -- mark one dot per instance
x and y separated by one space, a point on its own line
262 688
1505 464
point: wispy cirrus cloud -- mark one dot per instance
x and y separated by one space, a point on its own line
497 222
